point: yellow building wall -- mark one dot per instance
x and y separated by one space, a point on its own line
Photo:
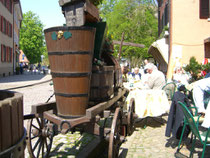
188 32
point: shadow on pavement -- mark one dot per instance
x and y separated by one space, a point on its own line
150 121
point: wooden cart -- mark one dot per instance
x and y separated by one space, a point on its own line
44 124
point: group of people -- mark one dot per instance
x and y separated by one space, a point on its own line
32 68
151 77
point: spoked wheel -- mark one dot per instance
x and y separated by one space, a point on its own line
131 112
40 138
115 138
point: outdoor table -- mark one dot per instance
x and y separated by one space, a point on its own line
149 103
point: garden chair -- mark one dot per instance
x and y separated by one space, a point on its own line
196 117
203 137
169 89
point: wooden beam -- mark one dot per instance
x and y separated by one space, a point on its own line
129 44
97 109
121 43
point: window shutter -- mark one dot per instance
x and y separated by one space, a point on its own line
2 53
7 54
10 54
1 23
11 32
11 2
6 28
8 4
204 9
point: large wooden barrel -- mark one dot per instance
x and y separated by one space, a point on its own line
102 83
112 61
11 123
70 57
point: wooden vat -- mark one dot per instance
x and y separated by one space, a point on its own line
112 61
11 121
70 57
102 83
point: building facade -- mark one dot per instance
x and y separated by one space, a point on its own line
17 24
7 43
188 24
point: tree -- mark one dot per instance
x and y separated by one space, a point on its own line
134 17
32 37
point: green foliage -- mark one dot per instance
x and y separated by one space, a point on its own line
194 68
206 67
134 17
32 37
135 61
46 59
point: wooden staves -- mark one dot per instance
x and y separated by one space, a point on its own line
11 119
102 83
78 12
70 60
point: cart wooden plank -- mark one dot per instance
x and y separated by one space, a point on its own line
5 125
14 123
20 116
40 108
97 109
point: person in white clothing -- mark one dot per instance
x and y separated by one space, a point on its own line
180 77
156 79
199 88
206 122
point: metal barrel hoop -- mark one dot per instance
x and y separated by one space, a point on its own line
16 150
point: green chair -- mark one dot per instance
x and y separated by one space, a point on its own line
203 137
196 117
169 88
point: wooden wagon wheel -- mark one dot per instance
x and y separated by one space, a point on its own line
114 139
131 112
39 137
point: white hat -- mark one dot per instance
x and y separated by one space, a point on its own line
150 66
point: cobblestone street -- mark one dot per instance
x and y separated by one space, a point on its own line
146 141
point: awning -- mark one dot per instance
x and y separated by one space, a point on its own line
159 51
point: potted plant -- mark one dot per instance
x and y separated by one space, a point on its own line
17 69
194 68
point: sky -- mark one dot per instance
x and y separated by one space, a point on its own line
49 11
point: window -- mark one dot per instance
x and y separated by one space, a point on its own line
9 29
4 29
3 53
1 23
5 2
6 54
204 9
10 6
10 52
